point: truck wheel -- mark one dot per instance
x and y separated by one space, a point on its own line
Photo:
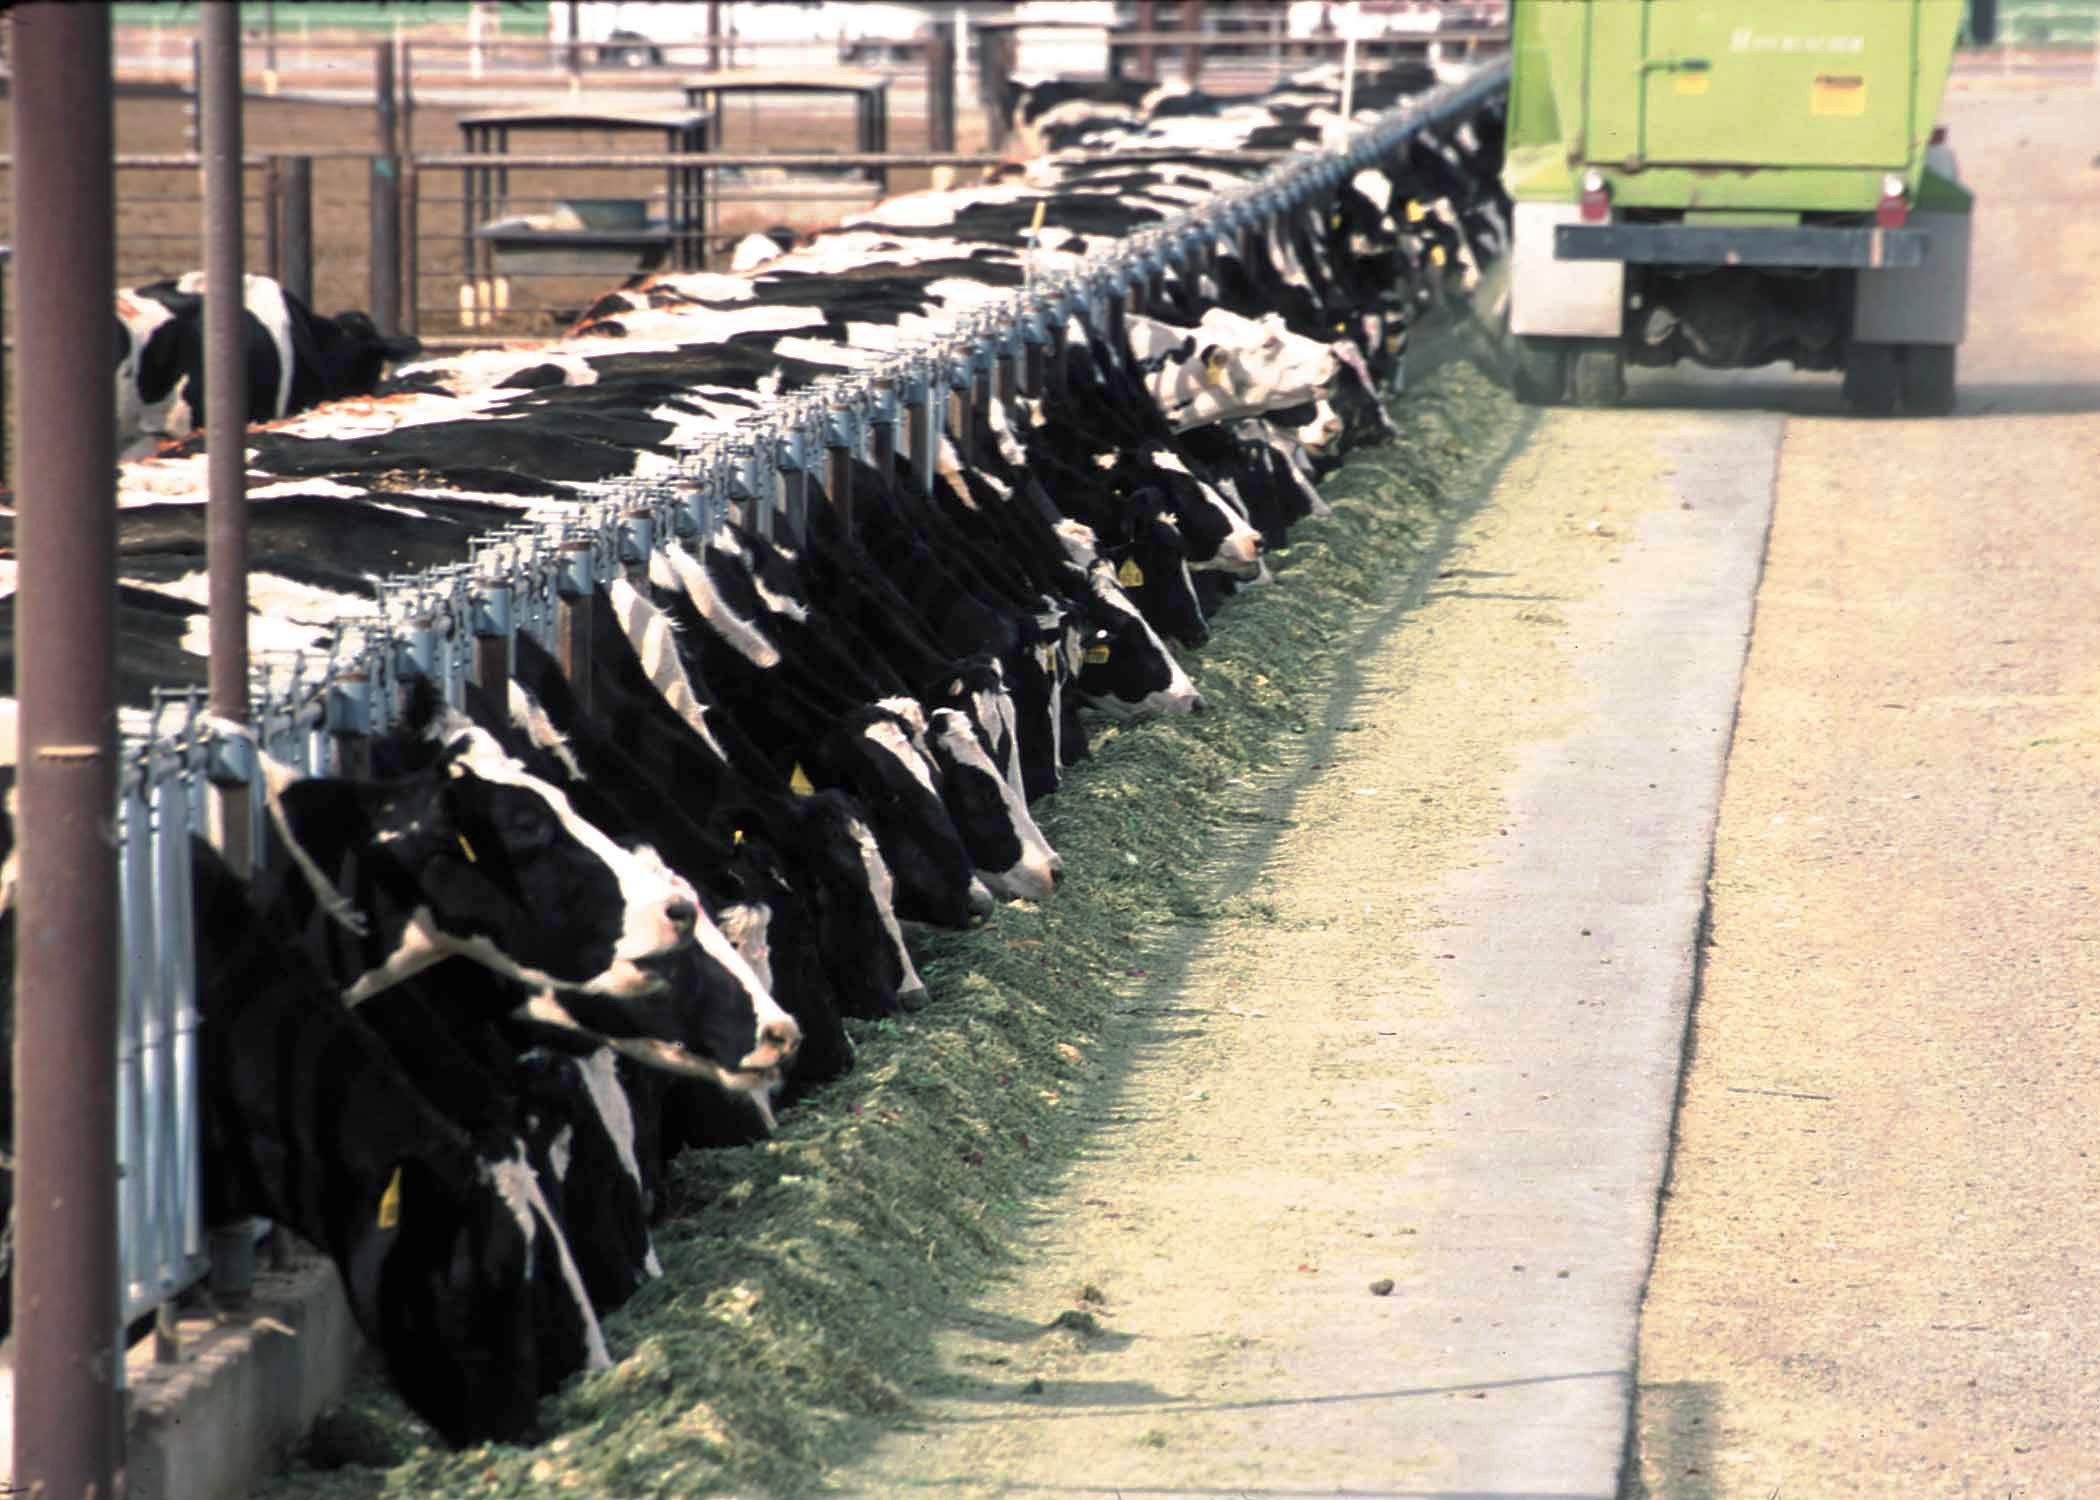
1928 379
1599 376
1872 376
1538 370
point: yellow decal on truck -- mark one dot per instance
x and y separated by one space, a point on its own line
1838 94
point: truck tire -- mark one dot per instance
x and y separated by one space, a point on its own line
1538 370
1872 378
1598 376
1928 379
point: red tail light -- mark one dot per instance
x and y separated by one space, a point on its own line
1895 208
1596 198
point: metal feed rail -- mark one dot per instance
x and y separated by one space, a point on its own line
458 623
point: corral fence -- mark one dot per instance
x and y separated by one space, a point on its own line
453 625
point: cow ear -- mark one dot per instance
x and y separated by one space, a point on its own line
955 688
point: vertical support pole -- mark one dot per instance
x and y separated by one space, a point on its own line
1191 51
573 588
838 480
6 256
272 221
225 365
66 1429
792 514
295 226
961 430
714 36
493 610
404 79
1147 51
575 57
637 541
349 711
386 197
924 407
882 433
995 66
411 250
940 89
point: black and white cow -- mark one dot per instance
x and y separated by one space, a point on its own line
295 359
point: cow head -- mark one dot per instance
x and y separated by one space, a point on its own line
1011 855
1228 366
463 852
1125 668
352 354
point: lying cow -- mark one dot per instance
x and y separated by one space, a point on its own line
294 358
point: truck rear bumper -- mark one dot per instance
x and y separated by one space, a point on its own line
1720 245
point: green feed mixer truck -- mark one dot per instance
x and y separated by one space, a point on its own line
1736 182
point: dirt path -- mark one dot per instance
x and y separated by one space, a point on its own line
1876 1272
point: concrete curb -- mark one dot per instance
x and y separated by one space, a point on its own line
243 1392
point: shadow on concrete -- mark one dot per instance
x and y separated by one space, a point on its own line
1675 1441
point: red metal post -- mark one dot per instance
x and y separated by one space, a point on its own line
225 364
1191 51
1147 53
66 1429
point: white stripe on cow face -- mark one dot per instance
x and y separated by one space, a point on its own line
882 886
1034 875
1240 552
888 735
672 567
725 542
1079 542
601 1080
539 730
651 635
746 925
546 1009
514 1182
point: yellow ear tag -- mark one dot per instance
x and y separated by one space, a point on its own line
799 782
737 837
1096 655
1436 255
467 849
1130 575
390 1202
1416 213
1215 362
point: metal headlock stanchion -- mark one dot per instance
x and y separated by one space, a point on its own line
447 624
